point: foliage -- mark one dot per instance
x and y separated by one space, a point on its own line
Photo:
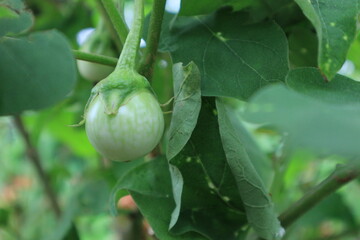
261 114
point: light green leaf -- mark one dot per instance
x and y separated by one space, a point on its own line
309 81
335 24
187 104
14 18
36 72
354 52
310 123
258 205
233 62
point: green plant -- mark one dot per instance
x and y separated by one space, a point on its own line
260 139
123 118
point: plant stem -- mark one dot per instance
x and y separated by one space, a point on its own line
116 19
342 175
95 58
34 157
128 56
152 41
109 25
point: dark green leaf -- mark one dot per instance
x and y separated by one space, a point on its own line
309 81
4 217
258 205
14 18
199 7
150 186
319 126
302 47
203 184
335 24
187 104
36 72
233 62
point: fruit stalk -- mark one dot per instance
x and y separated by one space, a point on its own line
128 56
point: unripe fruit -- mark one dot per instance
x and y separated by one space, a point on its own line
132 132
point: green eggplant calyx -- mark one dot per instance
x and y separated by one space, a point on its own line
119 86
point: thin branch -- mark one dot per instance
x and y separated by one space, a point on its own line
153 38
342 175
34 157
95 58
116 19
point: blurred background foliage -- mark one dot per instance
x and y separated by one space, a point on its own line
83 180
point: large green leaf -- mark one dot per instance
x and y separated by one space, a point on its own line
258 205
187 104
335 24
150 186
233 61
199 7
206 200
262 164
310 123
14 18
309 81
36 71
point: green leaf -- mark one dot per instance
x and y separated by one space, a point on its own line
309 123
203 184
258 158
187 104
14 18
335 24
150 186
302 47
4 217
36 71
190 8
309 81
200 7
233 62
354 52
258 205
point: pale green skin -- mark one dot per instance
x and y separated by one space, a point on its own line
93 71
131 133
